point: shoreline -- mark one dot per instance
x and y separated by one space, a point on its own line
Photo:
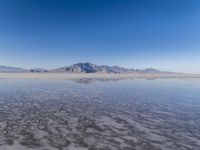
91 75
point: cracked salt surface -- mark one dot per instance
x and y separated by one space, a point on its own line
139 114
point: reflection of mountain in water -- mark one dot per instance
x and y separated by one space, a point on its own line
92 80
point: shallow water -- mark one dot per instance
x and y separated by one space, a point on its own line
137 114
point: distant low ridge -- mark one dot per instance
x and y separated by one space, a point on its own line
84 68
11 69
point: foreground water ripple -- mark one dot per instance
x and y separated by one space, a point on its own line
88 114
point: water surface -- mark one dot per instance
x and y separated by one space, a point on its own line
91 114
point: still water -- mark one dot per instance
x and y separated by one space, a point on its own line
91 114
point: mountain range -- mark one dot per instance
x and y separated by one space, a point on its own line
84 68
11 69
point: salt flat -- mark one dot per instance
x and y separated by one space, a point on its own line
93 75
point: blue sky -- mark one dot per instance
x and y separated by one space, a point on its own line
164 34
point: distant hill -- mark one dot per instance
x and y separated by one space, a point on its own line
11 69
92 68
85 68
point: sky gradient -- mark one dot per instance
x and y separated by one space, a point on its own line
163 34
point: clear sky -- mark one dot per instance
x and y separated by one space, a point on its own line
164 34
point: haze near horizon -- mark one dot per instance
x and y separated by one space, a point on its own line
130 33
